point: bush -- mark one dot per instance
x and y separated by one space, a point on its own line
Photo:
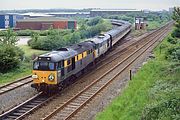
173 54
10 57
165 109
176 33
172 40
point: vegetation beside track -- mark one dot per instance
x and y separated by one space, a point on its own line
154 92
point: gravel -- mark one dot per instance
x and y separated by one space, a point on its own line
15 97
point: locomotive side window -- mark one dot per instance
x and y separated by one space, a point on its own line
36 65
68 61
51 66
59 65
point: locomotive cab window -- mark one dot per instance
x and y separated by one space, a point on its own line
43 65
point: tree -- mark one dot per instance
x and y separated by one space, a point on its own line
176 16
9 37
10 54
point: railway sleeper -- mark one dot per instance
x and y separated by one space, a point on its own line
78 100
34 103
75 104
72 106
68 110
25 108
17 114
29 106
21 111
11 116
84 96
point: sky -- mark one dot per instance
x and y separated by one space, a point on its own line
80 4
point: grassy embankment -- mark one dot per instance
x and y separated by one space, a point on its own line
154 92
25 67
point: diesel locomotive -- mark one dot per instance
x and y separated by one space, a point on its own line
55 69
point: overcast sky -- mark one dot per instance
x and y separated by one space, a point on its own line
135 4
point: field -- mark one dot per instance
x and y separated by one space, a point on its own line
153 93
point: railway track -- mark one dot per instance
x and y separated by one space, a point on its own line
26 107
88 93
69 109
13 85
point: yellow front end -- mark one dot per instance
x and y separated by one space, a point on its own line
44 77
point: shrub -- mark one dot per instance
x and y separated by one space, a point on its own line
165 109
10 57
172 40
176 33
173 53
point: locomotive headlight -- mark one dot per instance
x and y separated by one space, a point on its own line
51 77
34 76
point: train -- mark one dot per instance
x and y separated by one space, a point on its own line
56 69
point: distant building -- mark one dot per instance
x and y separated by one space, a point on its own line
70 14
35 15
9 20
44 23
106 12
140 23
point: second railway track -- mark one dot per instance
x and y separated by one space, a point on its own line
13 85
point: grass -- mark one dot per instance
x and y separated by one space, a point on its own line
154 24
24 69
154 92
29 51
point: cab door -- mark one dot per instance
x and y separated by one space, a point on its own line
73 63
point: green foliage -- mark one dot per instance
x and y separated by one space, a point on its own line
173 53
176 16
23 70
56 39
10 57
172 40
10 54
94 21
165 109
9 38
176 33
166 96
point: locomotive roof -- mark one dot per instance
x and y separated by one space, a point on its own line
100 38
81 47
60 54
